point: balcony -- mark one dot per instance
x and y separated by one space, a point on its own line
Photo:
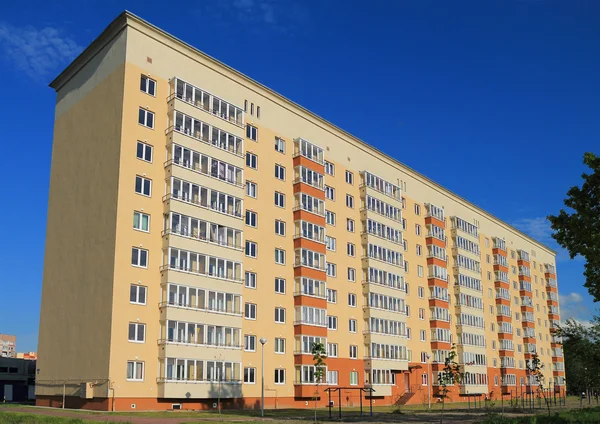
309 177
204 265
173 388
206 102
191 341
205 133
223 172
196 195
382 186
308 150
222 236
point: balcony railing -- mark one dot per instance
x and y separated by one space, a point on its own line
195 167
215 309
176 380
190 341
205 203
214 273
207 237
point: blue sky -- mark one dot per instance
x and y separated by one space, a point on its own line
507 90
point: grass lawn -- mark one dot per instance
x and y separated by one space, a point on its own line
584 416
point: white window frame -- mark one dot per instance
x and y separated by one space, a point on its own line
138 289
136 326
352 274
251 219
280 172
352 300
145 149
279 315
349 177
250 311
279 145
280 346
350 225
251 132
350 201
251 249
251 160
135 366
140 215
250 376
279 256
139 257
143 181
250 280
147 113
279 283
145 84
279 199
249 343
280 227
251 189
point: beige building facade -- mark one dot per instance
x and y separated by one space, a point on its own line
194 212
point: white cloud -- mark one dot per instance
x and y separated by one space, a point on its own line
540 229
572 306
37 52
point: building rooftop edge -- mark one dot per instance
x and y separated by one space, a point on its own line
121 22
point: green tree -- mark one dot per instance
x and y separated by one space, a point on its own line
581 349
319 356
448 376
534 368
578 230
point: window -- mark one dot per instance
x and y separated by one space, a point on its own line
405 245
279 145
417 209
146 118
354 378
143 151
351 274
279 228
279 172
332 323
329 168
251 189
139 257
250 310
408 333
141 221
330 243
349 177
280 285
279 345
251 160
487 258
332 350
279 376
420 270
406 266
279 256
329 193
404 224
250 343
419 249
245 105
143 185
331 270
279 199
249 375
351 249
251 249
280 315
251 132
137 294
424 379
352 300
250 280
352 325
148 85
421 313
417 229
330 217
258 112
353 352
422 335
350 201
332 378
135 371
251 219
421 291
331 296
137 332
350 225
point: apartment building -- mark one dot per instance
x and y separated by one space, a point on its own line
195 214
8 345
